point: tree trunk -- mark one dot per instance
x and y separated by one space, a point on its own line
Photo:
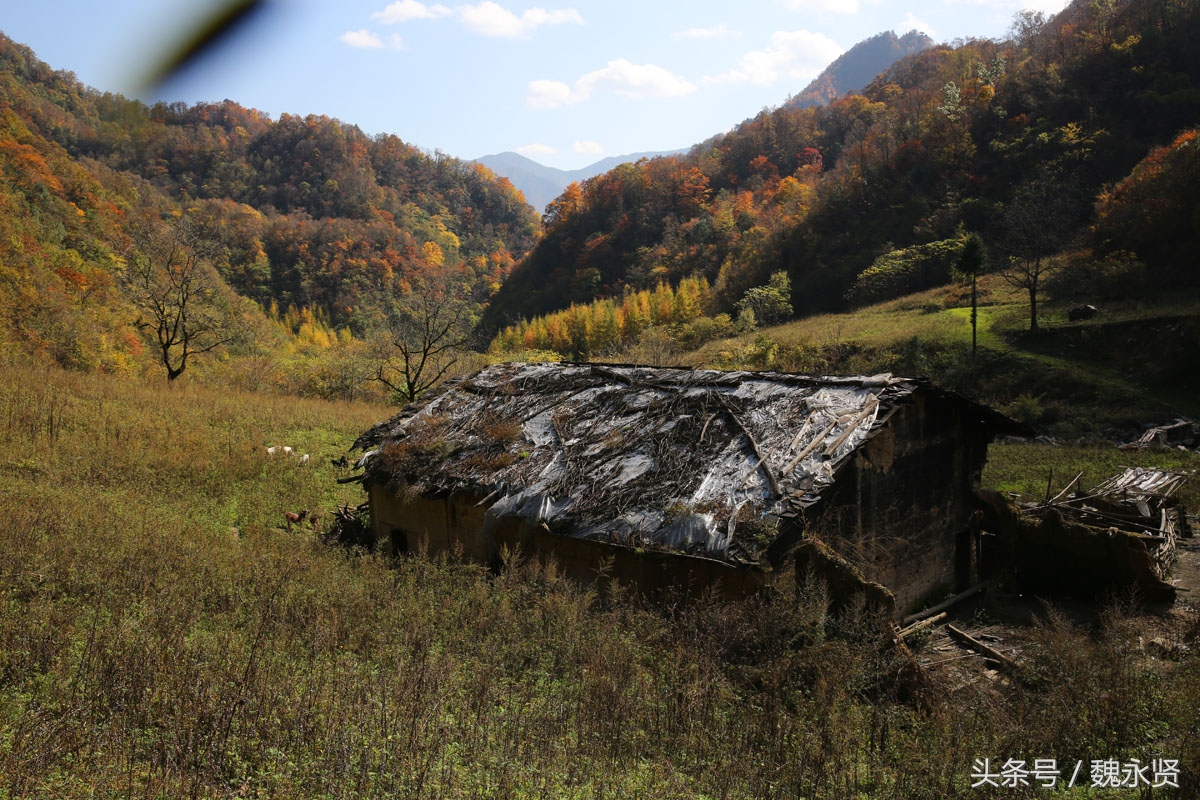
1033 290
172 372
974 316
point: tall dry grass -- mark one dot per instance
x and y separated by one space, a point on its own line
149 650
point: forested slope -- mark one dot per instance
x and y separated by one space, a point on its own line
986 136
300 211
858 66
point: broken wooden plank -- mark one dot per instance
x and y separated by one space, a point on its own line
1008 664
800 433
762 460
491 496
630 380
942 606
811 446
925 623
1066 490
852 425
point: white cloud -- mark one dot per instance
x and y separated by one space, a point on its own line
715 32
911 22
799 55
620 77
588 148
492 19
1011 7
366 40
634 80
838 6
1048 6
404 10
362 39
536 149
549 94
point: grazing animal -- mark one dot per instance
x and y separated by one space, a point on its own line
1083 312
287 451
273 449
341 462
294 517
303 459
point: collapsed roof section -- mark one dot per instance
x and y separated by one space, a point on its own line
1139 502
684 460
1135 483
1120 536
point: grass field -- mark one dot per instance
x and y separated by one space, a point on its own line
163 636
1105 378
1026 470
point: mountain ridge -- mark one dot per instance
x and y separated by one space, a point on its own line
967 137
854 69
541 184
850 72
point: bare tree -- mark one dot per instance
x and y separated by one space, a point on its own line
1036 224
427 333
171 281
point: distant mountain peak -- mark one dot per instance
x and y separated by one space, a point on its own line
541 184
858 66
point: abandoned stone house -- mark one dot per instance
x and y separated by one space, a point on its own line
696 479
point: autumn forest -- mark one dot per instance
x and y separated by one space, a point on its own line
202 307
315 245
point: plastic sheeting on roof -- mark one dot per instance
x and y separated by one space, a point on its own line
674 459
1134 481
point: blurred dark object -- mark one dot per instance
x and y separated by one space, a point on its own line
227 19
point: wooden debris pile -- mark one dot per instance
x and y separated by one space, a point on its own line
350 527
1182 434
963 655
1143 502
1120 536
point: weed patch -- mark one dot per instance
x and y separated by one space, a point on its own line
162 635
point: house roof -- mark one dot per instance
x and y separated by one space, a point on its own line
677 459
1142 482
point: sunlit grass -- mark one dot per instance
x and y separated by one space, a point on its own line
148 649
1028 469
195 451
939 315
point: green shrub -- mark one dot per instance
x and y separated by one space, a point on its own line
769 304
905 271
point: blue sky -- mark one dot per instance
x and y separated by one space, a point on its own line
565 83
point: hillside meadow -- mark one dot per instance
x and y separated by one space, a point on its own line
1103 379
164 635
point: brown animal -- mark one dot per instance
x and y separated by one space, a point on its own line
295 517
